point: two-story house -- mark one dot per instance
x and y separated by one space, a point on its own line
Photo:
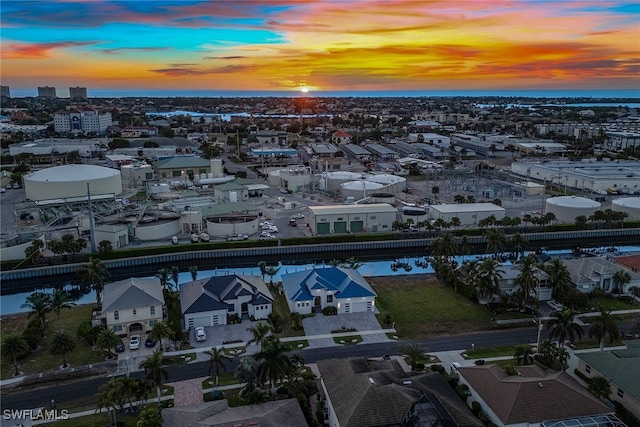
591 273
209 302
508 286
132 305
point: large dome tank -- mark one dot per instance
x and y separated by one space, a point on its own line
359 189
67 181
629 205
392 183
567 208
333 180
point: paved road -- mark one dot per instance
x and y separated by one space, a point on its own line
66 393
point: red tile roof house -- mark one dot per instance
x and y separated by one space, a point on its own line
532 398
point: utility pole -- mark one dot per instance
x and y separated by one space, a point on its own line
92 235
238 141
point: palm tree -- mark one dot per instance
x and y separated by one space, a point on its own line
599 386
527 278
263 268
194 272
435 190
107 339
108 397
271 271
175 276
39 304
160 330
153 368
621 278
519 244
246 373
14 347
61 344
96 275
259 332
352 263
334 263
561 356
602 326
563 326
559 277
486 278
163 276
128 388
495 239
464 245
60 299
445 246
217 358
273 362
524 354
412 353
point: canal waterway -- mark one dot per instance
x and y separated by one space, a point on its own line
10 304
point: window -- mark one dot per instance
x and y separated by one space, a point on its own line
355 218
621 393
117 328
372 217
231 307
190 323
307 303
215 320
116 315
134 312
340 219
369 306
152 323
347 307
329 298
587 369
153 310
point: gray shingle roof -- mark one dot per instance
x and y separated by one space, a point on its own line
213 293
557 395
132 293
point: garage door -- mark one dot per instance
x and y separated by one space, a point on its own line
194 322
340 227
357 226
323 228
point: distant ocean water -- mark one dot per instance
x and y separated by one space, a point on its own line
593 94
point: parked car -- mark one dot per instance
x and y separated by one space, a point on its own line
134 342
233 237
297 216
293 223
195 238
200 334
150 342
204 237
266 236
16 185
174 240
555 305
120 347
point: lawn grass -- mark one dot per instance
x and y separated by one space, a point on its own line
482 353
233 398
421 306
95 420
509 315
607 304
586 342
42 360
281 307
225 378
348 340
235 351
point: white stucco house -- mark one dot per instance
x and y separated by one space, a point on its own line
208 302
132 305
315 289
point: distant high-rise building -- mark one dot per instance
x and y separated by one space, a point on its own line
78 93
4 92
47 92
84 120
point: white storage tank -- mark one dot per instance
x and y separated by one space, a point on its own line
216 167
359 189
391 183
630 205
71 181
333 180
567 208
233 196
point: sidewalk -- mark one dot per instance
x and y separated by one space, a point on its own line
578 316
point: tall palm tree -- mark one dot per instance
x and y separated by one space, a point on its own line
272 271
175 276
273 362
527 278
194 272
155 372
334 263
464 245
413 353
444 246
95 274
621 278
519 243
599 386
160 330
352 263
61 344
487 278
108 398
262 265
562 325
163 276
602 326
39 304
524 354
246 373
559 277
495 239
107 339
60 299
14 347
259 333
217 359
128 388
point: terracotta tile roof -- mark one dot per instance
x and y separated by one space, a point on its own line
632 262
530 397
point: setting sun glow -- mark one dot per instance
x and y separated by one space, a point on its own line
304 89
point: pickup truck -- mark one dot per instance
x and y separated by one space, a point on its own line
234 237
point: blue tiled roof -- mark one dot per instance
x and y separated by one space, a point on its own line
345 282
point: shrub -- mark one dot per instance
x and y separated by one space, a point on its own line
475 408
581 375
510 370
329 311
343 329
463 391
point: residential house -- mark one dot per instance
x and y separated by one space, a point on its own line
531 398
589 273
510 273
132 305
343 288
340 137
630 262
621 368
208 302
362 393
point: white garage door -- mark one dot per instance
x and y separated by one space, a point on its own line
194 322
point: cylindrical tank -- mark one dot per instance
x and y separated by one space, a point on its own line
335 179
233 196
359 189
629 205
71 181
392 183
567 208
216 167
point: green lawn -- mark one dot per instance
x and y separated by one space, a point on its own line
349 340
280 306
420 306
95 420
42 360
482 353
610 304
225 378
297 345
587 342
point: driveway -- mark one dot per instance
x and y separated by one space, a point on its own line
321 325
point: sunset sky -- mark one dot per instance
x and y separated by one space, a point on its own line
336 45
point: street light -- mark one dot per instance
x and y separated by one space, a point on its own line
538 323
126 367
